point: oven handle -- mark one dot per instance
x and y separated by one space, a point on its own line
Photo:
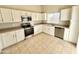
28 28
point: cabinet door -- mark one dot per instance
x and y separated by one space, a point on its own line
1 18
66 14
33 16
1 43
39 16
47 29
16 14
44 16
44 28
52 30
36 16
6 15
37 29
78 45
66 34
20 35
8 39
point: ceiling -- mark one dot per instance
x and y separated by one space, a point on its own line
38 8
55 8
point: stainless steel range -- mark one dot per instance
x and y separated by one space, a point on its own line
28 28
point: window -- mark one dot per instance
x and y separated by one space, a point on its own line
53 17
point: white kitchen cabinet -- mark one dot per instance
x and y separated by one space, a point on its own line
20 35
78 45
36 16
46 29
66 34
33 16
8 38
44 16
52 30
66 14
49 29
1 43
12 37
37 29
6 15
1 18
16 14
39 16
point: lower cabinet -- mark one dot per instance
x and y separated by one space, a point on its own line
8 39
20 35
66 34
37 29
1 43
49 29
52 30
78 45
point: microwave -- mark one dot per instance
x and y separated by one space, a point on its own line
26 18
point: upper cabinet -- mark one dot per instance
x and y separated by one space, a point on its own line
16 14
0 18
36 16
6 15
33 16
44 16
66 14
39 16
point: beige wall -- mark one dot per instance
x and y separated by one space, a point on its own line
34 8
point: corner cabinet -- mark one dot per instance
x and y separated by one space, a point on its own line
6 15
37 29
66 14
49 29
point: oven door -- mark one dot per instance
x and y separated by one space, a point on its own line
29 31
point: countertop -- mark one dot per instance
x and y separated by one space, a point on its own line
16 26
10 29
55 25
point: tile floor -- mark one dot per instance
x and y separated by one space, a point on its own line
41 44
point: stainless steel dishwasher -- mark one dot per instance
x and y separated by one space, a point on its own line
59 32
